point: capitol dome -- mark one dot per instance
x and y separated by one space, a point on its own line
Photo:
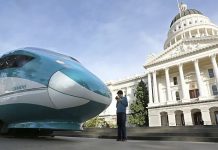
185 13
189 24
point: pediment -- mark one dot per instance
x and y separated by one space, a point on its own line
179 50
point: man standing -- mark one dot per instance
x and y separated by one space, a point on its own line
122 103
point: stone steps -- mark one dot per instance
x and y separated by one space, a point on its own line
190 133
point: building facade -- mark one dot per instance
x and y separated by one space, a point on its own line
128 86
183 79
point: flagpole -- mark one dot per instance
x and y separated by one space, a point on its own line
180 14
178 5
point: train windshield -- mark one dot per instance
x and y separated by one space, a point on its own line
49 53
14 61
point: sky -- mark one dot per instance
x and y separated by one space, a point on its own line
111 38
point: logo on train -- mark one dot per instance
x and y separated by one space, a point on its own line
20 87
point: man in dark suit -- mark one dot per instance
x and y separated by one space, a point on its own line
122 103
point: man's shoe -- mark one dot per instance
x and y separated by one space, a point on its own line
124 140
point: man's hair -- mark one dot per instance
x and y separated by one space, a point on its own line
120 92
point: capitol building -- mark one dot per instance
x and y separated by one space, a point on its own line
128 86
183 79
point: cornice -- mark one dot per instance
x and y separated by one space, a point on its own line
183 104
117 82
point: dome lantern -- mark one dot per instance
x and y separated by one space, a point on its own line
183 7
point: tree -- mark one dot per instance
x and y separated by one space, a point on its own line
139 111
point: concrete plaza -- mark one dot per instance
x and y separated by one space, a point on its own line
71 143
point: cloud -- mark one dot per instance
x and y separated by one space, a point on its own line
112 41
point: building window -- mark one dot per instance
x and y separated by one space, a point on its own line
210 73
177 96
214 89
194 93
175 82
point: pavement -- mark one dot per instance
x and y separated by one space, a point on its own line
76 143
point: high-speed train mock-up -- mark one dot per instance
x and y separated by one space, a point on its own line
41 89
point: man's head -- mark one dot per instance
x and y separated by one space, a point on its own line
120 93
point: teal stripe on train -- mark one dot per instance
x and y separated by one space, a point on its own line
21 115
47 125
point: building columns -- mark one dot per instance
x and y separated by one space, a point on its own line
206 32
184 35
205 114
154 118
183 85
199 79
188 117
150 89
215 68
213 33
169 96
156 99
198 33
190 35
172 118
175 40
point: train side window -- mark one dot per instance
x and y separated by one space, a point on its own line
14 61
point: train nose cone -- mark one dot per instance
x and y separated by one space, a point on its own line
75 87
